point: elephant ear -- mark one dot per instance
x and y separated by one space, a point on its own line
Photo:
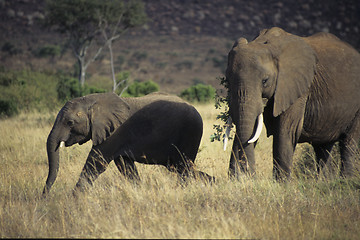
107 112
296 62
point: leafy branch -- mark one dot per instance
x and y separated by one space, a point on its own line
221 102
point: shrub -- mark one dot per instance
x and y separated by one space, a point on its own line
120 61
139 56
26 90
47 51
8 107
9 78
160 65
10 48
138 89
122 80
198 93
69 88
92 89
220 62
8 103
186 64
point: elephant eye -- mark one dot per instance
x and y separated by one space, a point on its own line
264 82
70 123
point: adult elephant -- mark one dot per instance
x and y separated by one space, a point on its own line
154 129
306 89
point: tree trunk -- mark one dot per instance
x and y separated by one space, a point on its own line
112 66
82 71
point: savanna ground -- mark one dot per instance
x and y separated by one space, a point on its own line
160 207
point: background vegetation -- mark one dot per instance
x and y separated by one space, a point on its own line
28 90
199 93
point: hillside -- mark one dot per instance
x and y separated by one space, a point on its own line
184 42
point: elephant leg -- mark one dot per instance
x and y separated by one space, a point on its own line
234 166
283 151
284 143
349 148
127 167
179 163
185 167
242 159
181 169
196 174
94 166
349 152
186 171
322 153
289 126
204 176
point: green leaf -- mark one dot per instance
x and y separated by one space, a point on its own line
221 103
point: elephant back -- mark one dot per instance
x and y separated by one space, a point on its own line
138 103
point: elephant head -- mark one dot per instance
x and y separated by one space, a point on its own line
94 117
273 70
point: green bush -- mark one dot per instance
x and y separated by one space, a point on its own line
140 56
10 48
26 90
138 89
9 78
186 64
92 89
198 93
68 88
122 80
8 108
220 62
47 51
120 61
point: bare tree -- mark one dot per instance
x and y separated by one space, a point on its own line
84 21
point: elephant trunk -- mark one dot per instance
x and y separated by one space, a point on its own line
247 117
248 121
54 141
256 132
52 147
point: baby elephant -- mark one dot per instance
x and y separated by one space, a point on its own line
154 129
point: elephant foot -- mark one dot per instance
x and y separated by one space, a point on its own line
83 185
197 176
204 177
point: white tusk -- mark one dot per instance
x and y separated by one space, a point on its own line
227 132
62 144
258 129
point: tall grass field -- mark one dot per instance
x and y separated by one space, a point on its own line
161 207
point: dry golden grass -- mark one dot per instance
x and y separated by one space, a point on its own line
159 207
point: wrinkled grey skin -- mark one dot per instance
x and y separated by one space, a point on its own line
308 89
154 129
